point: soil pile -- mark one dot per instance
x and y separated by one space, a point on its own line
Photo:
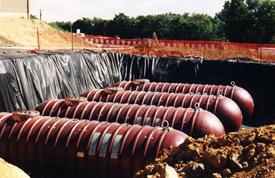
247 153
22 32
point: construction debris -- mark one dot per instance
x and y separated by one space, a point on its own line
247 153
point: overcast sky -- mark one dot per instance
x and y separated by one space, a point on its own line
74 9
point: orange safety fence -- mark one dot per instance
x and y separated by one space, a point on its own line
155 47
206 49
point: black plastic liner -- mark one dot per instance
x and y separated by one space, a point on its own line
257 78
27 80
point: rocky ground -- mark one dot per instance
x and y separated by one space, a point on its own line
247 153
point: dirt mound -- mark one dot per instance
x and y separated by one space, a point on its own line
9 171
247 153
23 32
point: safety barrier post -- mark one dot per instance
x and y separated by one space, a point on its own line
204 49
72 36
38 38
261 52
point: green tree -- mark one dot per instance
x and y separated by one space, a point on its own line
121 25
265 22
84 24
99 26
166 26
193 27
248 20
144 26
65 26
33 16
233 15
239 21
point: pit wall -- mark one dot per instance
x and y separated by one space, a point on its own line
257 78
27 80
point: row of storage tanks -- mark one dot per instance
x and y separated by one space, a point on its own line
116 131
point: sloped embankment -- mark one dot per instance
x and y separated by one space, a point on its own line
6 42
22 32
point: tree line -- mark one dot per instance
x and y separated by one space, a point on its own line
251 21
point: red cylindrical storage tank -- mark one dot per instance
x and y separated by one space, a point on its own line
82 148
237 94
194 122
226 109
